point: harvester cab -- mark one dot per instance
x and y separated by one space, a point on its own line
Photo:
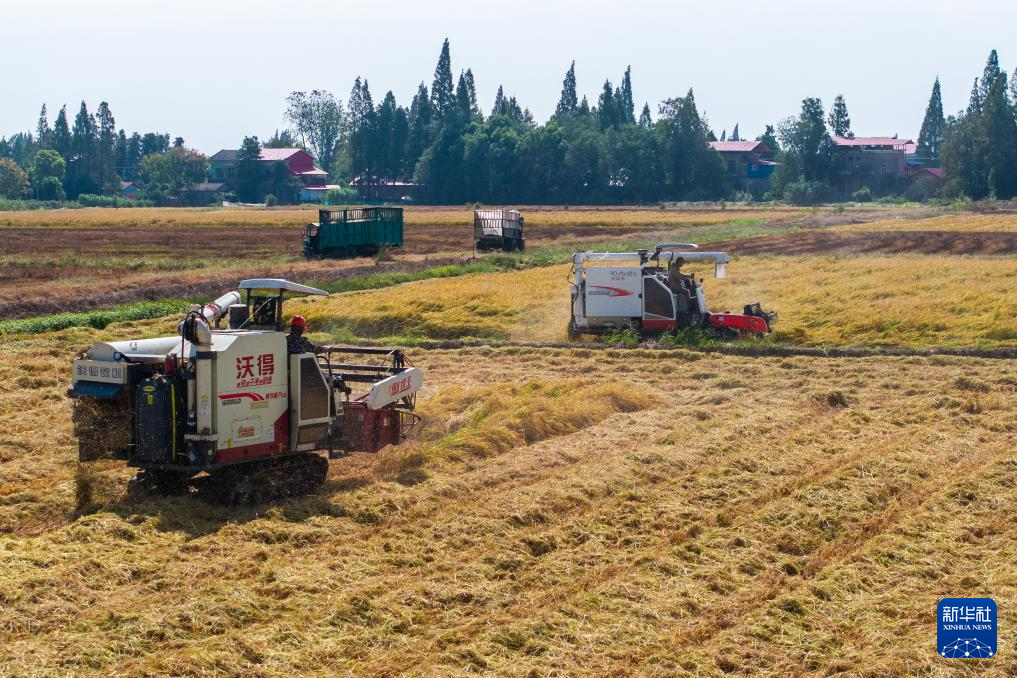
234 404
649 292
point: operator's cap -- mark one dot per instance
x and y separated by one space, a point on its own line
298 321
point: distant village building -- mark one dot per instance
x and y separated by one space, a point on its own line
375 189
316 193
299 163
880 163
747 165
129 190
205 193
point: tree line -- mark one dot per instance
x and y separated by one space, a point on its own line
605 152
586 152
90 157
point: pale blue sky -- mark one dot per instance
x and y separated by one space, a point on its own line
213 71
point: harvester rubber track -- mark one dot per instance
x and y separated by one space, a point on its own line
255 482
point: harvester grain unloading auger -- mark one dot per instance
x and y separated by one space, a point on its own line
235 404
648 292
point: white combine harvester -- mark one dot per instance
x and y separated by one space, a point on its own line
648 292
234 404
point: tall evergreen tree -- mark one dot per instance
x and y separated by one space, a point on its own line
645 119
584 108
568 102
607 112
625 102
106 149
421 117
930 138
43 133
120 153
1000 140
362 131
723 135
471 89
399 133
975 100
499 102
464 107
734 134
1013 89
990 74
81 165
839 121
442 90
62 134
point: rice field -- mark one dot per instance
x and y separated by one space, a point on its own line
863 301
560 510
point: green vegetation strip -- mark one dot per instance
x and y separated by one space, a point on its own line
99 319
375 281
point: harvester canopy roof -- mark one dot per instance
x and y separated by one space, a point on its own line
280 286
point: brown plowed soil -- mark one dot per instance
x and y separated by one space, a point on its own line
70 283
254 241
64 285
189 285
874 242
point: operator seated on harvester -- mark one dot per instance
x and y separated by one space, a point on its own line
682 284
296 342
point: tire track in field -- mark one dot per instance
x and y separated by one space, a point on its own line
594 581
835 552
906 521
768 587
606 505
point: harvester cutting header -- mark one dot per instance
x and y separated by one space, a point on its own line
648 292
236 403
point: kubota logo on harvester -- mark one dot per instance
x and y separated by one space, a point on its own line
604 291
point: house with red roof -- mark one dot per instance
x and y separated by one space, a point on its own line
298 164
747 165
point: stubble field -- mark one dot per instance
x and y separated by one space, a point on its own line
562 510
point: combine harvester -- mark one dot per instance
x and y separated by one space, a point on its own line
498 230
647 292
234 404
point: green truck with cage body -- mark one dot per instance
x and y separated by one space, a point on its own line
356 232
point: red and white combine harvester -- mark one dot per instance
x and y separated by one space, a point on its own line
648 292
233 407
